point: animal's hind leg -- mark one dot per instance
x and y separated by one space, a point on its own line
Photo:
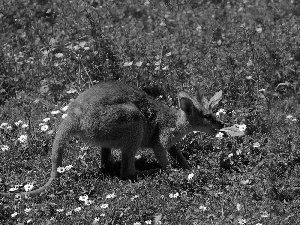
177 155
128 162
128 169
106 160
161 156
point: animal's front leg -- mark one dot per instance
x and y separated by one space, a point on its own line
161 155
106 159
177 155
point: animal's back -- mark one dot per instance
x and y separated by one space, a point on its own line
111 93
108 111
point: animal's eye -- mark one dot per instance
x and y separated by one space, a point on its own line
207 116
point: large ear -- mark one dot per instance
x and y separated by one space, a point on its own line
185 102
215 99
202 100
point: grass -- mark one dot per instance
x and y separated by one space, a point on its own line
52 50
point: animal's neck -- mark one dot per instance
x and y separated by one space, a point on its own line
174 128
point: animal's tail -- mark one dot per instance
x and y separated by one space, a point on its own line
63 133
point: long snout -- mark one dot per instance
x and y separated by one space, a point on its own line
219 125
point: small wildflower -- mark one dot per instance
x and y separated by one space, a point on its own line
134 197
241 221
111 195
68 167
292 118
242 127
83 198
230 155
202 207
148 222
77 209
71 91
162 23
14 214
28 187
183 193
22 138
157 63
18 122
265 214
220 112
44 127
102 214
18 197
250 63
60 210
76 47
15 188
219 135
64 115
61 169
55 112
3 125
104 206
88 202
59 55
238 206
244 182
4 147
258 29
27 210
256 145
65 108
128 63
190 176
139 64
9 127
84 148
45 52
173 195
82 44
97 219
238 152
46 120
199 29
24 125
69 213
147 2
138 156
165 68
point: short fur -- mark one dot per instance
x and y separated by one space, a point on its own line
115 115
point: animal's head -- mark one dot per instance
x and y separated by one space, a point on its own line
198 111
